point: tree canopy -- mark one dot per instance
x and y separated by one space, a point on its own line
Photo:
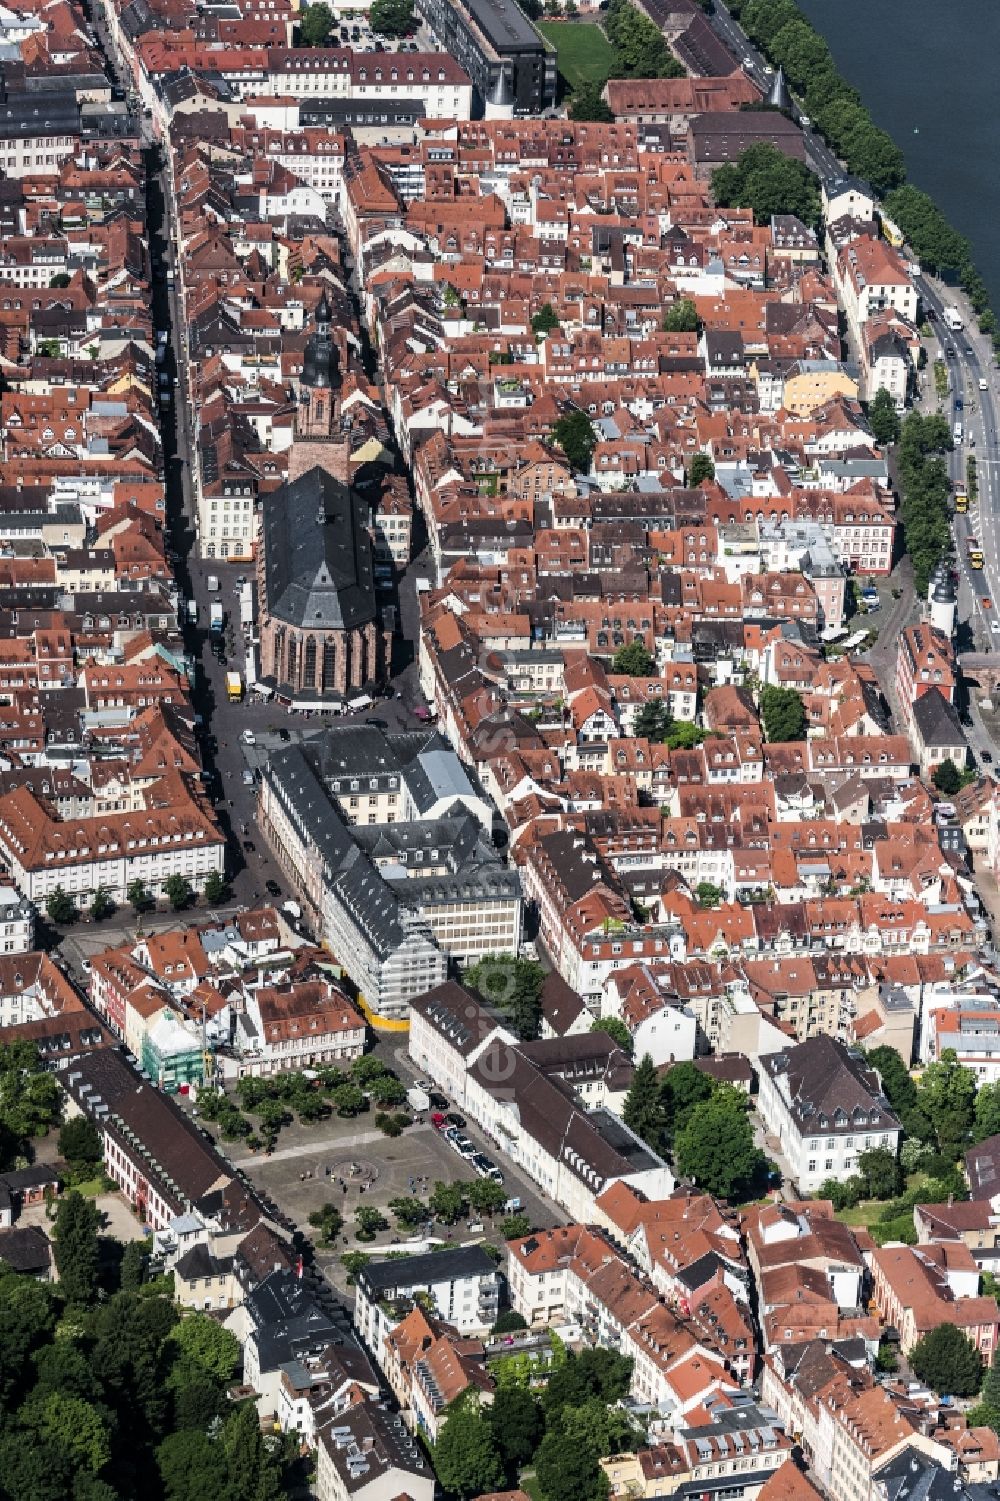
514 986
715 1146
635 660
315 25
948 1361
768 182
574 433
641 49
783 713
681 317
391 17
467 1456
883 418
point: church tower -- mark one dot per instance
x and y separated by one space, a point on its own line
318 442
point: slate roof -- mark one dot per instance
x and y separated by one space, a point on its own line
936 720
26 1249
317 555
829 1087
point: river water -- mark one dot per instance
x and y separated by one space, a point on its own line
926 69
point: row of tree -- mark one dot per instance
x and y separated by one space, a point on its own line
925 492
779 27
62 908
641 49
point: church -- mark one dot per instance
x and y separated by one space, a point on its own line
319 630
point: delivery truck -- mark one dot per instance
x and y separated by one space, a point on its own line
216 616
234 687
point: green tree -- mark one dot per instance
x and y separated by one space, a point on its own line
63 1367
588 102
948 1362
367 1068
215 889
447 1202
315 25
643 1112
509 1322
883 419
27 1318
925 492
514 986
575 435
76 1250
198 1399
30 1098
178 891
329 1221
544 321
681 1089
101 905
388 1091
987 1114
783 713
73 1425
391 17
568 1470
634 660
208 1345
368 1222
880 1171
466 1456
60 907
485 1196
515 1226
681 317
900 1089
702 468
708 894
683 735
937 245
347 1099
990 1395
254 1472
947 778
133 1268
616 1030
946 1096
654 722
191 1468
769 183
641 50
409 1212
80 1144
353 1262
140 897
715 1147
515 1417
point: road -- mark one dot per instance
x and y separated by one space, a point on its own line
822 160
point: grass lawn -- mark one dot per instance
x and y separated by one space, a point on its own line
585 54
863 1214
529 1484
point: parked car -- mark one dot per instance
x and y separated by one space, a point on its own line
437 1099
272 888
494 1174
438 1121
481 1163
283 735
249 846
454 1119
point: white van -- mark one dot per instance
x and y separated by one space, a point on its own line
957 434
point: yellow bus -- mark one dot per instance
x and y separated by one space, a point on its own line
961 502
